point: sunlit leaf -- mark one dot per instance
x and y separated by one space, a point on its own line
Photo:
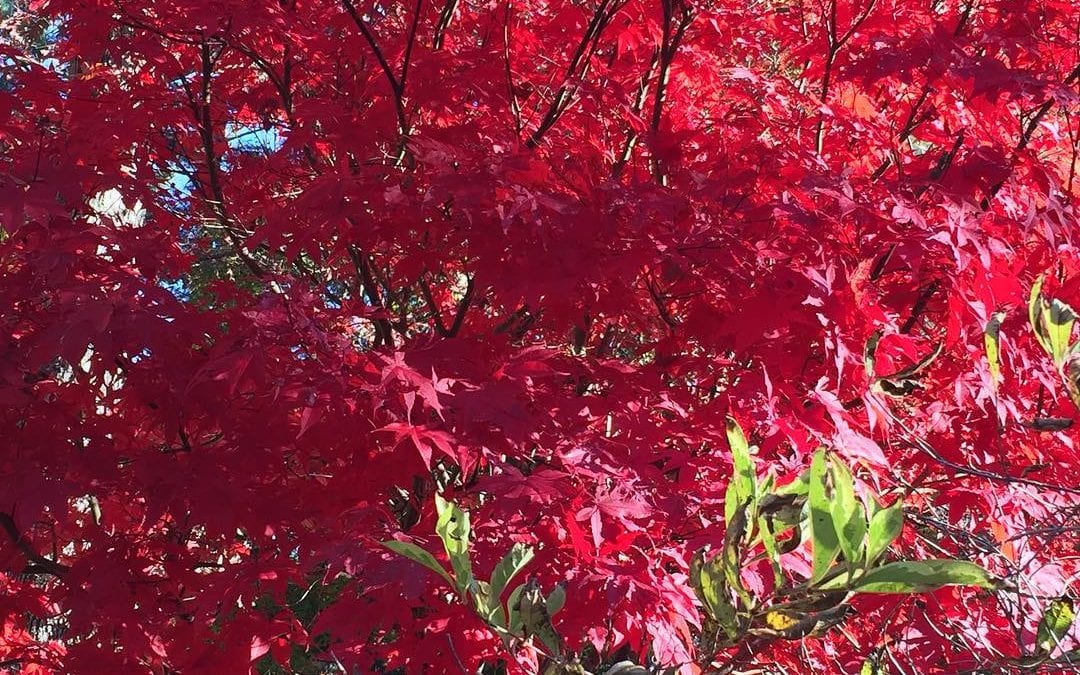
921 576
825 542
1055 624
454 530
848 514
991 342
743 486
885 526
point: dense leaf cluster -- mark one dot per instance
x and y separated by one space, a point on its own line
433 336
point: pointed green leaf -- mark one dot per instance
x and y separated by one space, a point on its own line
1058 319
417 554
732 555
869 353
743 486
511 564
535 619
1035 302
768 541
798 487
454 530
513 616
715 594
823 535
922 576
1055 624
848 514
992 343
555 600
885 526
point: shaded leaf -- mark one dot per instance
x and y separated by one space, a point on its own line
417 554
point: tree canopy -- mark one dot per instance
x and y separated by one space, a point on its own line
529 336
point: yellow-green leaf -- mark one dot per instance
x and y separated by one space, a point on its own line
511 564
869 353
743 486
992 343
1035 302
848 514
1055 624
454 530
1058 320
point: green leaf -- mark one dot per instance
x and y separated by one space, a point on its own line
709 581
743 486
798 487
921 576
869 353
511 564
454 530
513 616
1052 321
1055 624
417 554
555 600
822 532
871 667
535 619
848 514
1058 319
885 526
1035 302
731 556
768 541
992 344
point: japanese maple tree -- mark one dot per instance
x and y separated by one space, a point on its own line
620 336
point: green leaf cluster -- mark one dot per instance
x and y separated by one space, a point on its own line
527 612
847 540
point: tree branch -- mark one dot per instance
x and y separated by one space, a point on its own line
38 562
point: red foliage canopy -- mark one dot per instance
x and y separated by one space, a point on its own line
275 273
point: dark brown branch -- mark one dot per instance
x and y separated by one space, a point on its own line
383 330
445 17
1025 138
637 106
459 313
38 562
579 64
396 85
671 37
204 118
515 109
373 43
835 44
920 306
910 125
930 451
661 303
